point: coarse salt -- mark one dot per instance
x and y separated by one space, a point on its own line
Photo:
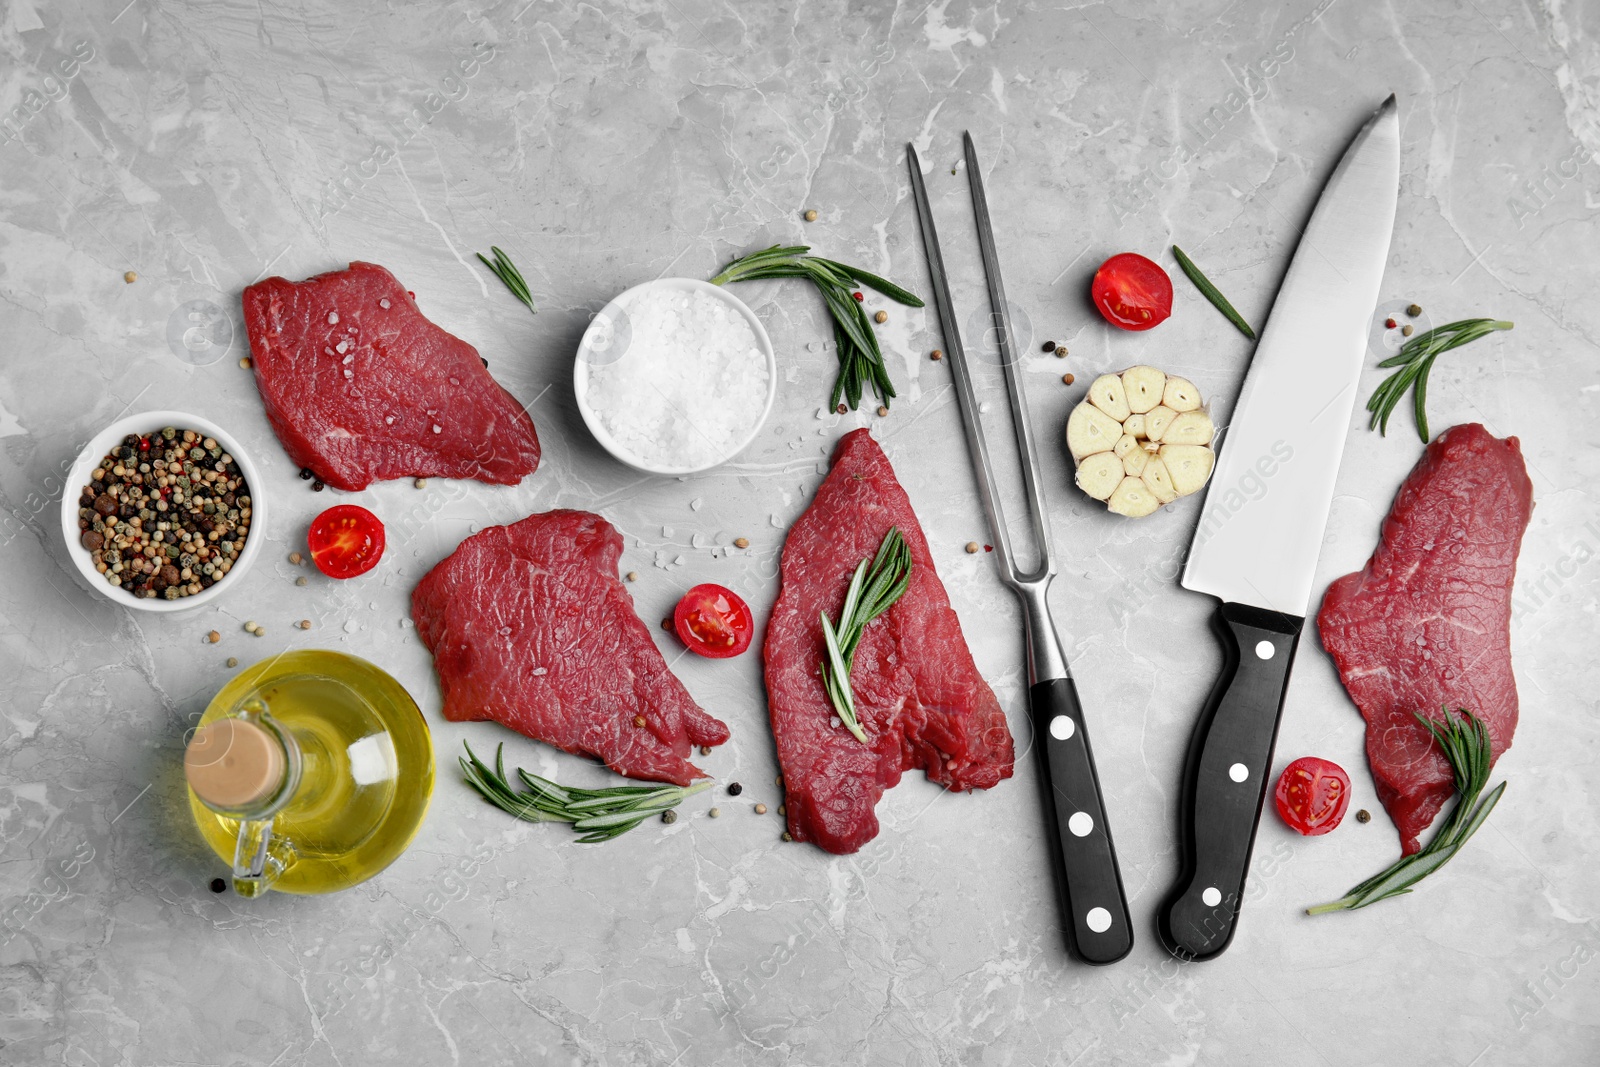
688 388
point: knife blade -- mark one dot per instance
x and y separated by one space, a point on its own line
1256 542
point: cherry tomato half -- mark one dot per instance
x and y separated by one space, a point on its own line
345 541
714 621
1132 292
1312 795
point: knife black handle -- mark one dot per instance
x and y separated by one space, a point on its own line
1089 883
1225 779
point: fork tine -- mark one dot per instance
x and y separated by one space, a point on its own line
1000 316
960 373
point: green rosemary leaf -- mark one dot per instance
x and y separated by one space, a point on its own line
1464 739
502 267
874 587
599 814
1212 293
861 362
1415 359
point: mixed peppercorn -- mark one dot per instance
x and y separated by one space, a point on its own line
165 515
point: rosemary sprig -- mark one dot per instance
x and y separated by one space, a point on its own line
860 359
1465 741
1212 293
507 272
598 814
1415 360
874 587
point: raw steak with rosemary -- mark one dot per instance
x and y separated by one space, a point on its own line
529 626
1427 623
360 387
918 695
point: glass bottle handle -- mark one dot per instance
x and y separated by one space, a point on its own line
260 858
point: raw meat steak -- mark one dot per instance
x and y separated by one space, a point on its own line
1428 622
530 627
918 695
360 387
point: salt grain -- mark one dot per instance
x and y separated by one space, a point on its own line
689 387
384 303
333 318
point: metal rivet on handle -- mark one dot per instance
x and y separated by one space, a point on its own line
1062 727
1081 824
1238 772
1098 920
1211 896
1265 649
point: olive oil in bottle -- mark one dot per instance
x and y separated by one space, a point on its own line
309 772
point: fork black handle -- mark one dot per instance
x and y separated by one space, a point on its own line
1094 907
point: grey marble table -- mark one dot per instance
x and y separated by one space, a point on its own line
206 145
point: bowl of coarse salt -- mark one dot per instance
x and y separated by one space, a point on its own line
675 376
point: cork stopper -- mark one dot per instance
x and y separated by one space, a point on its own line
233 763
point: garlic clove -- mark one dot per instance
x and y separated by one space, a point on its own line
1157 420
1125 444
1107 394
1180 395
1159 481
1090 430
1143 387
1133 463
1132 498
1188 466
1134 425
1100 474
1189 428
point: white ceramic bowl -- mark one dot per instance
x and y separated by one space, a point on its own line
97 449
601 335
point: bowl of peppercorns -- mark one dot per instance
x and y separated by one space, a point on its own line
161 511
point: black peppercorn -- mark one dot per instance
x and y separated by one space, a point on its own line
317 486
735 789
218 885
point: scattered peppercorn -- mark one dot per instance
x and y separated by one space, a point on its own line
164 514
306 474
778 781
1413 310
1407 330
638 720
305 624
296 558
734 789
130 276
244 361
1068 379
251 627
787 836
633 576
880 316
317 486
666 624
1389 324
857 295
705 750
936 355
761 809
233 661
783 809
841 409
300 580
741 542
217 884
1061 351
715 812
1363 815
669 816
421 483
213 637
972 547
811 215
882 410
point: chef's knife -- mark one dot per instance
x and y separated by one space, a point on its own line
1255 547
